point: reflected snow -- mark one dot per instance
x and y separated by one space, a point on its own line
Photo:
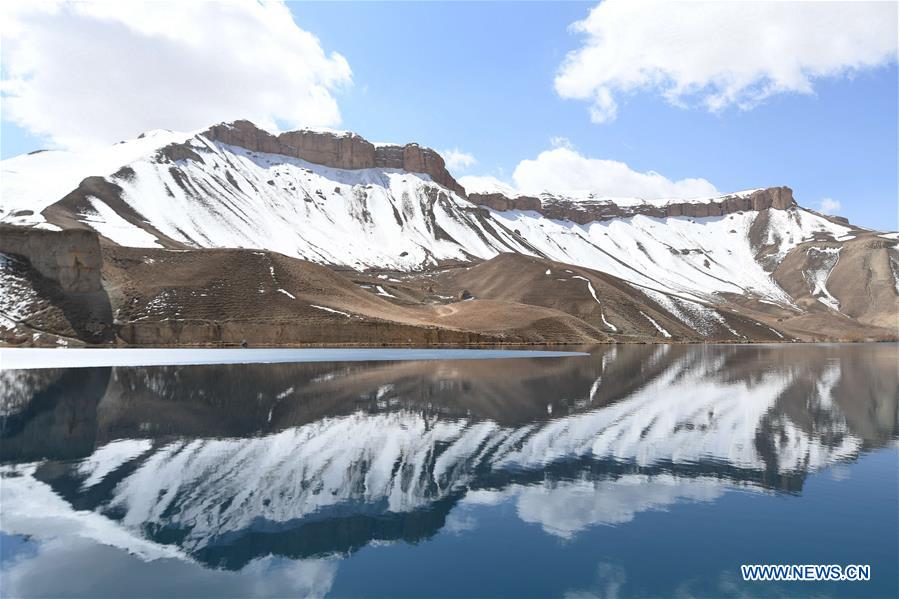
298 468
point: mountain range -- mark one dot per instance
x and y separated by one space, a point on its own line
234 235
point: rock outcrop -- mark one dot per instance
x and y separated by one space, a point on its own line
583 211
55 281
333 149
70 257
498 201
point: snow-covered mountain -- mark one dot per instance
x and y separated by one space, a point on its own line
33 181
335 199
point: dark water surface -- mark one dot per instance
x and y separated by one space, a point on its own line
634 471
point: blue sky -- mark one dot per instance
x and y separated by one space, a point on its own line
479 77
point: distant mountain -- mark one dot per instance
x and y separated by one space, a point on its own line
751 265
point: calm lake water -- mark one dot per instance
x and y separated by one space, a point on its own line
632 471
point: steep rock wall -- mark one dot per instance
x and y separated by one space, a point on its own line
337 150
585 211
70 257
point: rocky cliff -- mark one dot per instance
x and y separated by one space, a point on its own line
51 290
591 209
70 257
333 149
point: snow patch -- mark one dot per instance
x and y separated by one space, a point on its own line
703 319
108 223
18 298
111 457
817 277
656 325
331 310
894 268
381 291
592 291
788 228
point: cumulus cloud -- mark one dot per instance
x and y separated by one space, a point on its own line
487 184
560 142
457 160
565 170
829 206
721 54
103 71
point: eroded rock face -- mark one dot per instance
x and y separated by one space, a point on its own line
498 201
345 152
585 211
337 150
417 159
70 257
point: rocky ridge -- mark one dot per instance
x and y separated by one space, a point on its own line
334 149
583 211
350 151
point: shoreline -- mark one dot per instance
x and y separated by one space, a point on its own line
41 358
362 345
35 358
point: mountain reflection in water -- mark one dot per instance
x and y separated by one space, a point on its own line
227 465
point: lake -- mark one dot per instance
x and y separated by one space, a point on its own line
632 470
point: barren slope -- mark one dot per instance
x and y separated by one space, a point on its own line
226 296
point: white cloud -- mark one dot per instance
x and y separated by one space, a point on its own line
99 72
829 206
560 142
721 54
486 184
457 160
564 170
568 508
